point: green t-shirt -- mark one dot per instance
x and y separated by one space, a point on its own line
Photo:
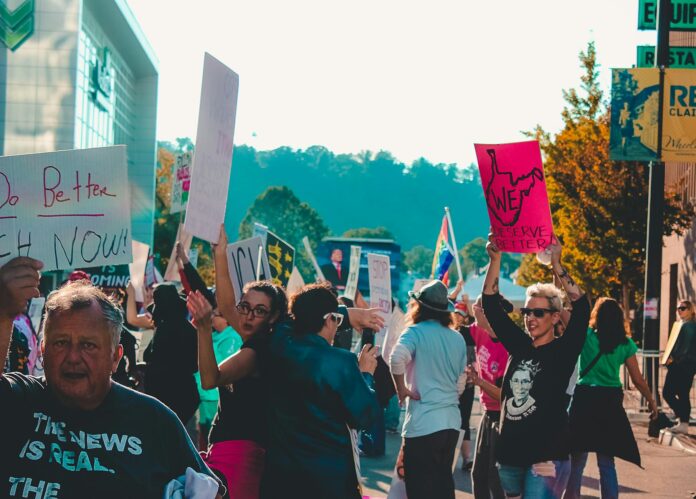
606 371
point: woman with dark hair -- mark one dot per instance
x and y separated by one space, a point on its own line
238 436
171 356
681 367
432 357
598 421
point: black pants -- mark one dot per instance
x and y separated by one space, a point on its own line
677 387
484 475
428 465
466 402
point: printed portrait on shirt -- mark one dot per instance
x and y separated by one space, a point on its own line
521 404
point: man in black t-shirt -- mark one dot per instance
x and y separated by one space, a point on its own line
75 433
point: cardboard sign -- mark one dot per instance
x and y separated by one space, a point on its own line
513 181
181 182
310 254
69 209
354 272
296 282
281 258
137 269
635 107
379 272
242 258
212 163
679 116
671 341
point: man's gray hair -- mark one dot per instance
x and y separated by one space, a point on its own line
547 290
80 295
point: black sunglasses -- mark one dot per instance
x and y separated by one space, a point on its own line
537 312
682 308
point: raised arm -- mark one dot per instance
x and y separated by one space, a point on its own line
19 282
143 321
457 290
569 285
493 391
193 278
226 299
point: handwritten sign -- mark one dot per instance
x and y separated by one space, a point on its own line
242 259
181 182
69 209
512 176
212 163
353 273
379 272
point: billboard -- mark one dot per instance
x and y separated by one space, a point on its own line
679 115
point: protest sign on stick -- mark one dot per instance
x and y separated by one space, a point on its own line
69 209
242 258
137 269
310 254
296 281
353 273
212 162
181 182
513 181
379 272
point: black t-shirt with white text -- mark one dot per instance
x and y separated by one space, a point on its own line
130 446
534 417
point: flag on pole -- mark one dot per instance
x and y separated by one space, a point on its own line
444 254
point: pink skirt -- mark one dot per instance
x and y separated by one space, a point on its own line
241 462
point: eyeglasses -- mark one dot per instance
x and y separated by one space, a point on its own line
682 308
537 312
336 317
245 309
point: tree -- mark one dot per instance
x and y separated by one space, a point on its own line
473 256
291 219
603 234
419 261
368 233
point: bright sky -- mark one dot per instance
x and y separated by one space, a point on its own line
414 78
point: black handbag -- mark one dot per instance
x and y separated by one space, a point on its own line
659 423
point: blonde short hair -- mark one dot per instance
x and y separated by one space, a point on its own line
547 290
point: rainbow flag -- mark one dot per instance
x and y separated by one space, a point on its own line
444 255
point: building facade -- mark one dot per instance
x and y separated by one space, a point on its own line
79 74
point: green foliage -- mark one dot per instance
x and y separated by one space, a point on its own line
599 206
291 219
419 261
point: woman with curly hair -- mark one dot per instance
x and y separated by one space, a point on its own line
598 421
534 444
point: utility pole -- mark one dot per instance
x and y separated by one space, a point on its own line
653 249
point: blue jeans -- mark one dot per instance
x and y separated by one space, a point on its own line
608 481
522 481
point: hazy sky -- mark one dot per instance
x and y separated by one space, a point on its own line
414 78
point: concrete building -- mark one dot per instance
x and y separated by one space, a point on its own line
78 74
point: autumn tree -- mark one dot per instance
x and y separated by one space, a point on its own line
279 209
599 206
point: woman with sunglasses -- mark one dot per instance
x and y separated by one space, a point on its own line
239 432
681 367
607 432
534 444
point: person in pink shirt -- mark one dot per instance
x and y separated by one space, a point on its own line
492 359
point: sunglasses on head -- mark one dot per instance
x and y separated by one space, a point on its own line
335 316
537 312
682 308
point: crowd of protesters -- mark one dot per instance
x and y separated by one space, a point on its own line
282 394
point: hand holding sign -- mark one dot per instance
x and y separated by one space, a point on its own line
19 282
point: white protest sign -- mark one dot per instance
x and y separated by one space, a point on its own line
181 182
137 269
379 272
419 283
242 258
310 254
295 282
212 163
354 273
35 310
193 257
69 209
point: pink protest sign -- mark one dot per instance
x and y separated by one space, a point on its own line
512 176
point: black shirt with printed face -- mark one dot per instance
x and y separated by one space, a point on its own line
534 417
131 446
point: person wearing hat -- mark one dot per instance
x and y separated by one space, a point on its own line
428 365
172 357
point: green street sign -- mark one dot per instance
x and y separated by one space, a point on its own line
679 57
683 15
16 25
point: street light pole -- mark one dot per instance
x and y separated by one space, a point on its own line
656 198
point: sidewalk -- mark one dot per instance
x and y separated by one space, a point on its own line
668 471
